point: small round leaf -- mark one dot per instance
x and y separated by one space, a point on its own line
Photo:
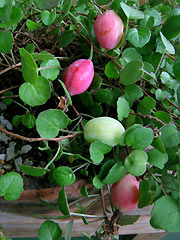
49 230
64 176
136 162
49 123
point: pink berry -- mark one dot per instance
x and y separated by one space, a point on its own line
108 29
125 193
78 76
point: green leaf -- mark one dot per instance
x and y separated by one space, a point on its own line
48 17
128 220
53 71
96 83
15 17
157 143
176 69
139 138
5 11
47 5
8 100
63 202
49 122
115 174
101 95
87 236
29 67
131 73
103 2
66 92
36 93
139 37
160 94
154 14
6 41
145 194
112 70
156 158
66 38
86 99
65 7
128 131
28 120
97 182
97 151
43 56
168 46
107 165
68 232
16 121
178 94
33 171
166 214
11 186
169 136
136 162
133 92
84 191
64 176
32 26
171 28
146 105
49 230
131 54
131 12
123 108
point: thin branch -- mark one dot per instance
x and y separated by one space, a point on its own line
9 68
150 117
103 206
14 135
165 194
8 89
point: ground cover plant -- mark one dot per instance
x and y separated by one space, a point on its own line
92 89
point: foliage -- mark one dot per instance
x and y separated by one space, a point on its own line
137 84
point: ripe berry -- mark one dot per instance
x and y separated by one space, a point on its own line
125 193
108 29
78 76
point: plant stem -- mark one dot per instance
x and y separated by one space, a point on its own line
14 135
91 52
52 160
4 56
8 89
85 215
160 62
47 67
77 20
13 57
85 164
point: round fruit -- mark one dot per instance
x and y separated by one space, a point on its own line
105 129
78 76
125 193
108 29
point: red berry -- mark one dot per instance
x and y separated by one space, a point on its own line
78 76
108 29
125 193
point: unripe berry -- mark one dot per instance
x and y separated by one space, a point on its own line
108 29
105 129
125 193
78 76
